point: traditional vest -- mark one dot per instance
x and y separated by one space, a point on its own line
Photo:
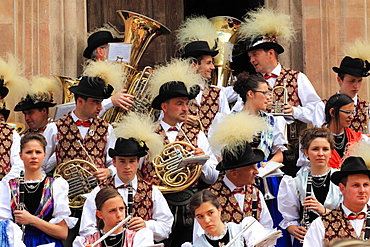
6 137
231 211
143 199
208 107
94 142
337 226
191 133
335 161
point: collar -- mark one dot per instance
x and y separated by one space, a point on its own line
118 182
275 71
75 118
166 126
230 184
347 211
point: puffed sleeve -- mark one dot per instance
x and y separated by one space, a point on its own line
88 219
143 237
288 202
61 204
5 209
315 234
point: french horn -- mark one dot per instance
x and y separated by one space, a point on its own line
80 176
173 177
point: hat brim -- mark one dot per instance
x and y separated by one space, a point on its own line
112 153
258 157
337 176
77 90
198 53
156 103
338 71
267 45
92 47
3 92
25 106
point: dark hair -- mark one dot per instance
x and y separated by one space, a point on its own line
308 135
104 195
341 75
246 82
200 197
33 136
336 102
80 96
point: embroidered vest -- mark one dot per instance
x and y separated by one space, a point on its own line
94 142
6 137
231 212
208 107
143 199
337 226
191 133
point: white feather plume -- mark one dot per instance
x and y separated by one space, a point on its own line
142 128
359 49
360 149
234 130
45 89
196 28
266 22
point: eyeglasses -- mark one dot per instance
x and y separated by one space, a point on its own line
266 93
349 113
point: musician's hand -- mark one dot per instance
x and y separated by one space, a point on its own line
122 99
136 224
23 217
102 174
199 151
192 120
297 231
312 203
288 109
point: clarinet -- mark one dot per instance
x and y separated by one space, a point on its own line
254 204
21 205
305 222
367 226
130 201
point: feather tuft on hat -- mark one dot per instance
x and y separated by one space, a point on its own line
43 89
234 130
142 128
360 149
266 22
196 28
12 70
110 72
177 69
358 49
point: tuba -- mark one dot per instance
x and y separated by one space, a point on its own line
166 165
139 32
80 177
227 36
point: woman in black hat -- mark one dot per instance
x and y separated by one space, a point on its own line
317 145
339 112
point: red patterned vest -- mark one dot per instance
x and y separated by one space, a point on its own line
143 199
6 137
208 108
69 148
337 226
231 211
191 133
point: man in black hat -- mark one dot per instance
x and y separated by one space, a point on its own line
80 134
97 50
349 77
235 190
348 220
148 206
211 100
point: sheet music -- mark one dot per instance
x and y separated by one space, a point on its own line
119 52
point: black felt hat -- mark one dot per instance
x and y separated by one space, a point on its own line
29 102
128 147
97 39
353 66
266 42
244 156
3 90
171 90
5 113
351 165
92 87
197 49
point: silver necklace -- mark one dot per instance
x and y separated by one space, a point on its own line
32 188
339 145
119 242
322 181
